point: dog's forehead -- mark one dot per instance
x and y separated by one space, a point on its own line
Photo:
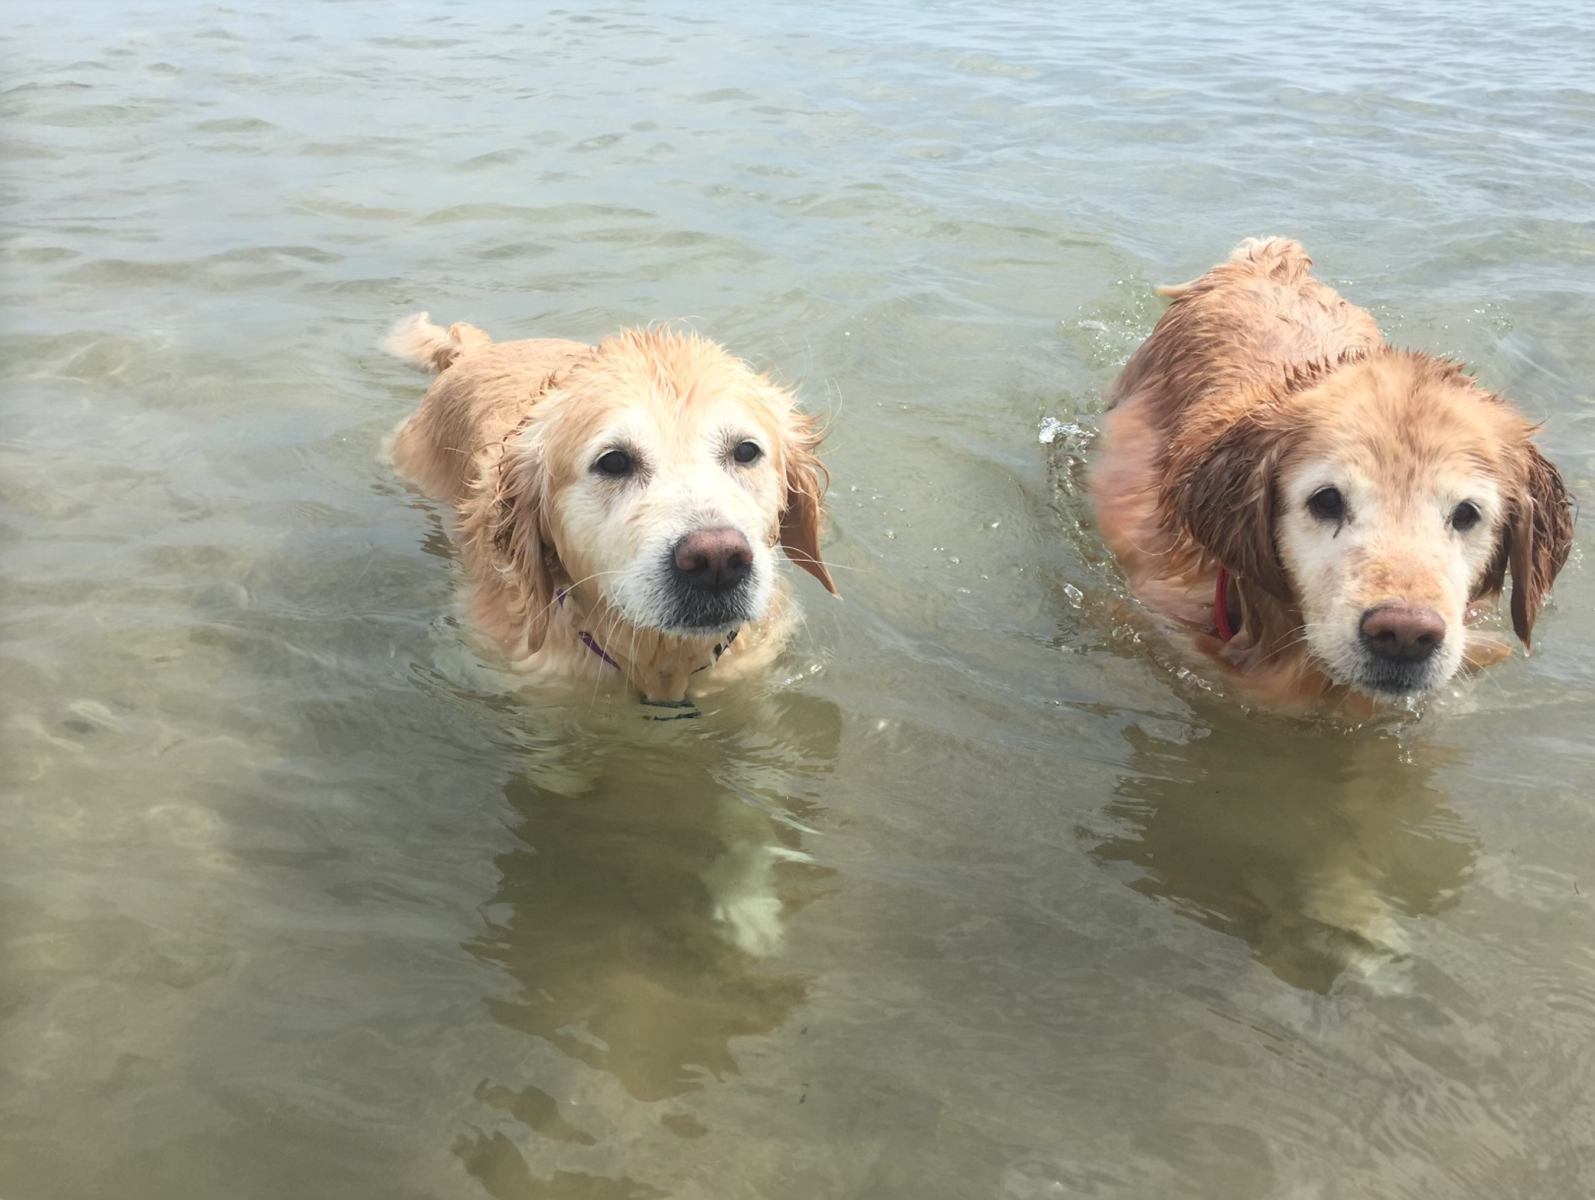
1405 427
679 372
650 418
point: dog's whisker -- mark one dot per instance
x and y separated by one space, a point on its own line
548 608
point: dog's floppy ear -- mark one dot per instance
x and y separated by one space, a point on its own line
1221 491
806 481
502 528
1536 538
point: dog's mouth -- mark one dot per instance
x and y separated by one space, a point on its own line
696 616
703 614
1392 680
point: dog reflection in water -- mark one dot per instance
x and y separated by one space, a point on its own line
1306 847
637 916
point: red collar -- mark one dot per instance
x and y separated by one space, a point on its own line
1221 607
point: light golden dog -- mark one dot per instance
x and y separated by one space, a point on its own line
1317 512
618 506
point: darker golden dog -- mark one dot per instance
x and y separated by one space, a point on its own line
1316 511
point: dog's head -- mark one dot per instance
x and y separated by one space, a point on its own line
658 473
1381 497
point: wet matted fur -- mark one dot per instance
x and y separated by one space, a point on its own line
1265 427
570 567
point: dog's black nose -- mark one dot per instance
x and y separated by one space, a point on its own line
713 560
1397 633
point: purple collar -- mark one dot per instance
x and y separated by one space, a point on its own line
591 643
587 638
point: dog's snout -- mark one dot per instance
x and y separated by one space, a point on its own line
713 560
1398 633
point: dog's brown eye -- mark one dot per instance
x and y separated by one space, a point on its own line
616 464
747 452
1464 517
1327 504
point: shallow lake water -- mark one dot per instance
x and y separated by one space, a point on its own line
978 895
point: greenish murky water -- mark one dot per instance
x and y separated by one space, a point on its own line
977 897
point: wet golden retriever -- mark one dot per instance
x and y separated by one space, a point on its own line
618 505
1317 512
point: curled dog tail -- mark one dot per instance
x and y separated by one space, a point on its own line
1278 258
431 348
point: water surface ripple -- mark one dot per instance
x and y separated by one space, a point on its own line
977 897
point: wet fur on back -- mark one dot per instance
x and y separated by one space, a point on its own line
1260 392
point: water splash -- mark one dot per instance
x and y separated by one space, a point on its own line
1075 438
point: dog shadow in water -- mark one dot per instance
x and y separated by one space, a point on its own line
639 916
1307 844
